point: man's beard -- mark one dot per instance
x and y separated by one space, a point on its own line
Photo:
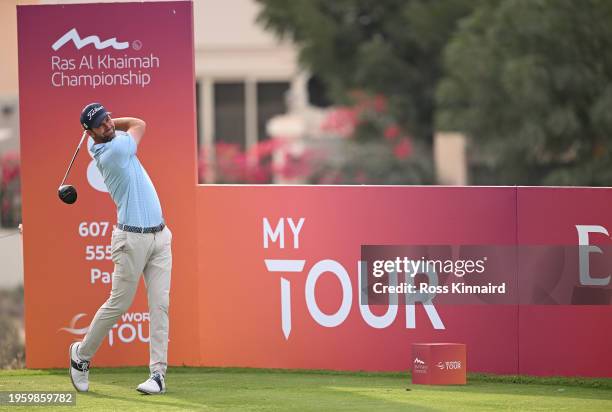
107 137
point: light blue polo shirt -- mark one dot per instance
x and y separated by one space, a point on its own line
128 182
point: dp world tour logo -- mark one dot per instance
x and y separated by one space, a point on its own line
449 365
79 43
129 328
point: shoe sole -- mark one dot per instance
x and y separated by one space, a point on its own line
150 393
70 367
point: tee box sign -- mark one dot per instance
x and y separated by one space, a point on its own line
438 364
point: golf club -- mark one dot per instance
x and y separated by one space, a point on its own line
68 193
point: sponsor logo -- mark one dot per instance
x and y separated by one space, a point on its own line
287 268
90 114
584 250
419 366
72 327
79 43
449 365
104 67
130 328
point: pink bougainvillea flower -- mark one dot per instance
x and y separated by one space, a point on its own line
9 164
380 103
295 166
341 121
391 132
403 148
266 147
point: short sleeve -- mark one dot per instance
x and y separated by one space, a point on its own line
129 142
122 148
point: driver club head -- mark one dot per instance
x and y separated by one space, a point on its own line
67 194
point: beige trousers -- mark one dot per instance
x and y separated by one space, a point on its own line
135 254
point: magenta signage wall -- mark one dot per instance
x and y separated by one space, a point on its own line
256 313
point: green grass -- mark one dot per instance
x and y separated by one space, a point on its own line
261 390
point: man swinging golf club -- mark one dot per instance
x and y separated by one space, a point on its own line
140 244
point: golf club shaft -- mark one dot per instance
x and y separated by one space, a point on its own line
74 157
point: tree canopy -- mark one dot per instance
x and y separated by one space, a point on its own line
531 82
390 47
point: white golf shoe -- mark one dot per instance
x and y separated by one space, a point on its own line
79 369
154 385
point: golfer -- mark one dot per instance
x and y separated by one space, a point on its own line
140 244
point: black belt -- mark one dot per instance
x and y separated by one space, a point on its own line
136 229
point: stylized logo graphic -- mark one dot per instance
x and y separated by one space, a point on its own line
129 329
79 43
294 266
93 111
419 366
449 365
585 249
73 329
